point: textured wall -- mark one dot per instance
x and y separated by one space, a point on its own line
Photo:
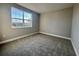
9 32
58 22
75 28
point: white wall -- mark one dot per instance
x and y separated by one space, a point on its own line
0 29
0 24
8 32
57 23
75 28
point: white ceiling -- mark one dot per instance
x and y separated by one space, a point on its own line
46 7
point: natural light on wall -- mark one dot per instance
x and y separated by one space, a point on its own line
20 18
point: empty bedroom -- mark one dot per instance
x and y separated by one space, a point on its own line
39 29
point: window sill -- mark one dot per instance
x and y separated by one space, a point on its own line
21 26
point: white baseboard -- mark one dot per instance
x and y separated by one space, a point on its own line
9 40
74 48
56 35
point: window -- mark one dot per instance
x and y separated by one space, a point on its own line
20 18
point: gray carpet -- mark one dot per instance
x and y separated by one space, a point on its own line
38 45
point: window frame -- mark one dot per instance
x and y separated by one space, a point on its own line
23 26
